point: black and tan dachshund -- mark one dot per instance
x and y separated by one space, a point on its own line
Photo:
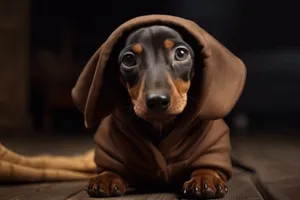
156 67
158 60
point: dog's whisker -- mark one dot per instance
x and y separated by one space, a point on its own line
192 99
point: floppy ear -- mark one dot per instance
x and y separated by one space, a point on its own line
94 92
222 76
81 89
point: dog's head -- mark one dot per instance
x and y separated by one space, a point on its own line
160 62
156 67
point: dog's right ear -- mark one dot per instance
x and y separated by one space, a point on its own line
81 90
94 91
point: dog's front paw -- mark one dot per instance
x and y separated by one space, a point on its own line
106 184
204 184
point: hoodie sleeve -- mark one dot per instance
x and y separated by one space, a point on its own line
215 150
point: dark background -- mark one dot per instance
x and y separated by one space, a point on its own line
264 34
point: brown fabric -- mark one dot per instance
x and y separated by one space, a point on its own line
200 138
122 149
19 168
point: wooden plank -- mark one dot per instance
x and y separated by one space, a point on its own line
53 191
274 154
12 191
163 196
239 188
286 189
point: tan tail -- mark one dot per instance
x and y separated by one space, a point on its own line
15 167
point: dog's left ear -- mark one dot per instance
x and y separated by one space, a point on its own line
222 78
95 90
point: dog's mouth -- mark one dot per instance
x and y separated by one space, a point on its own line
162 117
159 110
159 106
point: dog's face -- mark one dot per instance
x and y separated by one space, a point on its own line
156 66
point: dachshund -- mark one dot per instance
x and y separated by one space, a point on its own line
156 68
160 87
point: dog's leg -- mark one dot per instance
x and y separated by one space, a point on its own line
106 184
205 183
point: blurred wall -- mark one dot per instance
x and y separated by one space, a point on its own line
14 63
220 18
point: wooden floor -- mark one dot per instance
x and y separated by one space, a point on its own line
275 155
239 188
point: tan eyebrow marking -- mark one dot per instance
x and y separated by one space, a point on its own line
137 48
169 44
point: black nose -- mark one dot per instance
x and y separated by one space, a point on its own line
158 102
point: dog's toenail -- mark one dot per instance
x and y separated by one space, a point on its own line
226 189
90 189
220 193
102 192
184 191
197 192
220 187
205 185
116 191
116 188
96 188
209 193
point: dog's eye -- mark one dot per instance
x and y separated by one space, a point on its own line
181 54
129 60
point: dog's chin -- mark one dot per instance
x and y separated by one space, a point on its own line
157 118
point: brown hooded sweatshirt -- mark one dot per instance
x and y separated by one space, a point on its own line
200 138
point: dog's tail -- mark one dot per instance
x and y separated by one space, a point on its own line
19 168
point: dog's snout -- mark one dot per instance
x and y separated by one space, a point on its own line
158 102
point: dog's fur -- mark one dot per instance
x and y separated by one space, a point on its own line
158 82
156 68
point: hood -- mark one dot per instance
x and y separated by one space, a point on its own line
217 85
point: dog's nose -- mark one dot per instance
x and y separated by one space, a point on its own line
158 102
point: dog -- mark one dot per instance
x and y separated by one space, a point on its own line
157 77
